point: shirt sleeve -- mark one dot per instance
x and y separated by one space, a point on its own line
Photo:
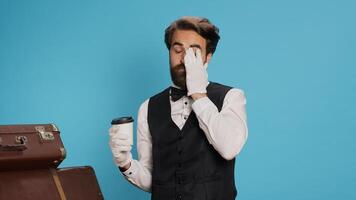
226 130
139 173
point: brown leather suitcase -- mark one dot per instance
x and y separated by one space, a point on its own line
73 183
31 146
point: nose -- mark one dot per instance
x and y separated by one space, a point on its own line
182 56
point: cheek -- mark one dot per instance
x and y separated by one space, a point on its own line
174 58
203 55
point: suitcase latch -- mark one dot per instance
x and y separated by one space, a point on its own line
21 140
45 136
20 144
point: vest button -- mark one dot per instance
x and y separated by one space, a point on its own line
179 197
180 152
180 137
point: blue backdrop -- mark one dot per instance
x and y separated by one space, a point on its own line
79 64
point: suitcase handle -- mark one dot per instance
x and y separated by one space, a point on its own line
21 146
16 147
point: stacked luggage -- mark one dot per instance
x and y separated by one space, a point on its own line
29 160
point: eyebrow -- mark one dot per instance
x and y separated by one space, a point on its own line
193 45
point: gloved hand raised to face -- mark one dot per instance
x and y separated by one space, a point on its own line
120 145
196 73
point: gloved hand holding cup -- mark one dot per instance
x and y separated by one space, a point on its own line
121 140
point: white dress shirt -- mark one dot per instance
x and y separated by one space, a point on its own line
226 130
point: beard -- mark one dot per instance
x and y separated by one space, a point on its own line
178 75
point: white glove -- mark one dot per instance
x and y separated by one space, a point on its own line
196 73
120 147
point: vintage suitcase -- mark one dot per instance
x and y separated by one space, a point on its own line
73 183
30 146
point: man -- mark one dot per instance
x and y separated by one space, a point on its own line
189 134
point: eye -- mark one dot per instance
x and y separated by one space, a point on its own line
178 49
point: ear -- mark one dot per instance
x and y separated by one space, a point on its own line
208 57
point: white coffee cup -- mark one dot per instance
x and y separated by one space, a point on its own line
124 125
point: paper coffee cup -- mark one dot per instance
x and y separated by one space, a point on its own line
124 126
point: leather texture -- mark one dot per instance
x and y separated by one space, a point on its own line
77 183
30 146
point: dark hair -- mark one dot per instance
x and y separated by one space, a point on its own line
200 25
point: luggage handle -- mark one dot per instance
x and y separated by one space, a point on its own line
20 146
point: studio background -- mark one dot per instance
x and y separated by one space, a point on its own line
79 64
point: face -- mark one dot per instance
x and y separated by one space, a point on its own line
181 41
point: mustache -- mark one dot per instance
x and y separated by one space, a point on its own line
178 67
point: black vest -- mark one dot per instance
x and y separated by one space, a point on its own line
185 165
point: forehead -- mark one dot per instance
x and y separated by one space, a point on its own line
188 38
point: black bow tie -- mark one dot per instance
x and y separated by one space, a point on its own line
176 93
